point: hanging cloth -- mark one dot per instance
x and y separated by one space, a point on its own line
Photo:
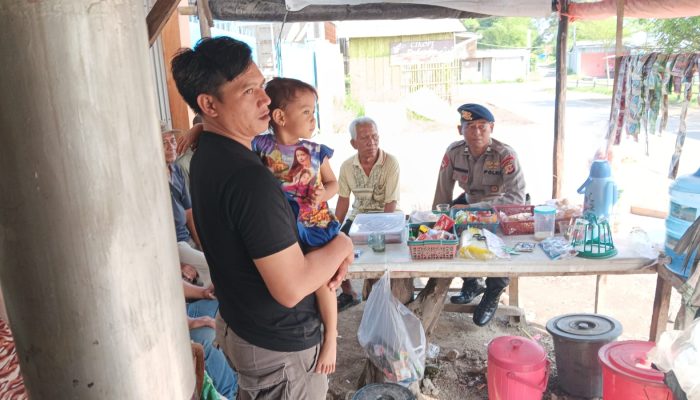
665 88
646 71
689 60
617 113
635 105
654 84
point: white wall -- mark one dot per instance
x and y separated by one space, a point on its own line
508 69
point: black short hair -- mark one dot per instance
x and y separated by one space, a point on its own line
206 67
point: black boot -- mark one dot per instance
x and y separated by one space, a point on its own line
470 289
487 306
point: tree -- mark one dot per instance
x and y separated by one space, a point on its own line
501 31
676 35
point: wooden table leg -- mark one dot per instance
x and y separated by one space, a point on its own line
430 302
662 301
514 299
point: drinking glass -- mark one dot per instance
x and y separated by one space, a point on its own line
376 241
443 208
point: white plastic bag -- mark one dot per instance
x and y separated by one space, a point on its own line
392 335
680 351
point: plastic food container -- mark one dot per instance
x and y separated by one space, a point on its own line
544 221
392 225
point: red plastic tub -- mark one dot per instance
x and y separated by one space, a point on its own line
627 373
518 369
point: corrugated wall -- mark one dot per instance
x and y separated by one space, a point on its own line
372 77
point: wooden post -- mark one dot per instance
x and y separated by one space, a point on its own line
560 101
514 297
618 59
203 14
662 302
430 302
175 35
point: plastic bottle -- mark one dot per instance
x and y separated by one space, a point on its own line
683 211
544 217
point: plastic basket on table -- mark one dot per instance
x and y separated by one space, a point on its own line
519 227
430 249
523 226
459 228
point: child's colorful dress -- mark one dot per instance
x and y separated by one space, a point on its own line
297 167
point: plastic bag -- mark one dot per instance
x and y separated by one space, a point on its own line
680 351
473 245
392 335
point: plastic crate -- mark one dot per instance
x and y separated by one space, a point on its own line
430 249
525 227
459 228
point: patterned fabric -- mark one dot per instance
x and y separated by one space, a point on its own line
11 381
298 168
686 76
654 85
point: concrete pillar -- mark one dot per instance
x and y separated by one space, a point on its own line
88 263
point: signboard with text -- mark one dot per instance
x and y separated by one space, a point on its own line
429 51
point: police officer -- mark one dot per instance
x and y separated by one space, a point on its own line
489 173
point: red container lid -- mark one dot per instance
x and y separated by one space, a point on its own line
629 358
516 353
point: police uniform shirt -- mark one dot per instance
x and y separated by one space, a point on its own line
495 177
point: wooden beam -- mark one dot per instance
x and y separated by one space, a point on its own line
560 101
501 311
275 10
648 212
158 17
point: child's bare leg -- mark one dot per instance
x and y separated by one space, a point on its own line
328 307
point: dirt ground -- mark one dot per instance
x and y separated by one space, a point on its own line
465 377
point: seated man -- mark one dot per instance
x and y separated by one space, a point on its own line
187 241
489 173
372 175
201 311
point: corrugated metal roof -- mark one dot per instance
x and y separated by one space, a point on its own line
385 28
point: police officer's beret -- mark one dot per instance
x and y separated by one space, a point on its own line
472 112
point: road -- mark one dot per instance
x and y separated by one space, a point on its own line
525 119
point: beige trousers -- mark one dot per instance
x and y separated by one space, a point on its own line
272 375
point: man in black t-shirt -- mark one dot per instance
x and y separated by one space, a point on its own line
265 284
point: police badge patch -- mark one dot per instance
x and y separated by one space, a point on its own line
445 162
508 165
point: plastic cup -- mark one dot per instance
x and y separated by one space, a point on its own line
443 208
565 229
376 242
